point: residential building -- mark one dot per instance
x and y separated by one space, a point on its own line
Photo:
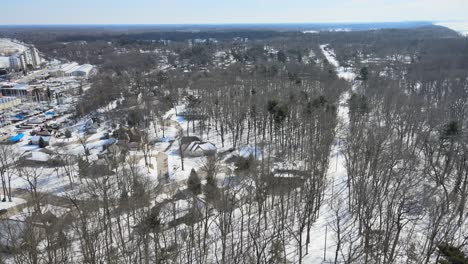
8 102
24 60
15 63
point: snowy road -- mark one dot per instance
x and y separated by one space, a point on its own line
322 246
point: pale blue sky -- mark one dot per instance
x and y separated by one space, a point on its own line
227 11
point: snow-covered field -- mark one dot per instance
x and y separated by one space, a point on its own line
8 47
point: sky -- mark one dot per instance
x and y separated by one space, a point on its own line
17 12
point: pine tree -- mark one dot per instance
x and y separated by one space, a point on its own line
68 134
451 255
364 74
83 168
211 189
42 143
194 183
281 56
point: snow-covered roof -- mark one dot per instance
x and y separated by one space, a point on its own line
69 67
204 146
207 146
39 156
6 99
86 68
15 86
37 138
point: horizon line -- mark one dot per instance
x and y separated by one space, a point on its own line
234 23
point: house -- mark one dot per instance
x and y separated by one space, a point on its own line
43 133
193 146
285 180
199 148
186 141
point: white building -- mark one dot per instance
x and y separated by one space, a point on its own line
83 70
71 69
24 60
15 63
36 59
8 102
62 70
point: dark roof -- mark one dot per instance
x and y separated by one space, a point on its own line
43 133
188 140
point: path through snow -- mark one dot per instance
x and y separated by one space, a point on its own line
322 243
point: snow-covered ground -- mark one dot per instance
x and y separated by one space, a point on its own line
322 247
342 72
8 47
15 201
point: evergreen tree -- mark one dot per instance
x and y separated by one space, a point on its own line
49 94
194 183
68 134
281 56
211 188
42 143
364 74
451 255
83 167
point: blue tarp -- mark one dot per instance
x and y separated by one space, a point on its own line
19 117
16 138
50 113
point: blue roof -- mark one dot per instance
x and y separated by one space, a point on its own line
19 116
16 138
